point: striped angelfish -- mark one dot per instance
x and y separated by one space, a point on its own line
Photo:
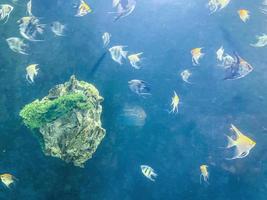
148 172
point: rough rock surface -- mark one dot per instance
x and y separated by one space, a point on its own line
74 136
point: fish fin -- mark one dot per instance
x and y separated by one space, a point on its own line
231 142
124 54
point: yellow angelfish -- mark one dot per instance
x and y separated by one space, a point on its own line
204 173
244 15
175 103
196 55
83 9
7 179
135 60
242 143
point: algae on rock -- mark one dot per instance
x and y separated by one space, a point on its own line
68 121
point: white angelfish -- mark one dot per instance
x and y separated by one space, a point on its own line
31 72
106 39
220 53
186 75
17 45
135 60
57 28
30 28
117 53
262 41
148 172
5 10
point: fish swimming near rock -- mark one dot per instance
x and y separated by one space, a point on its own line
5 10
17 45
135 60
204 174
106 39
83 9
7 179
262 41
185 75
139 87
117 53
31 72
57 28
239 68
242 143
148 172
30 28
124 8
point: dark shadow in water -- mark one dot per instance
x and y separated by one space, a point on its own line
97 64
229 38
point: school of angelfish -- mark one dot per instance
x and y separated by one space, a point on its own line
236 67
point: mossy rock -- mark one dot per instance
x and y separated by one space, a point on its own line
71 112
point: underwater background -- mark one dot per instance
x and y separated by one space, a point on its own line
175 145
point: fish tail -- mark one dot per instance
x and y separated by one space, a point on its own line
124 53
231 142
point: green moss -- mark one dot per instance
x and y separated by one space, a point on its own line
38 113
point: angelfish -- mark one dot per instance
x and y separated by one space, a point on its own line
83 9
220 53
242 143
17 45
186 75
139 87
7 179
175 103
135 60
106 39
124 8
5 10
196 55
31 72
117 53
262 41
204 174
148 172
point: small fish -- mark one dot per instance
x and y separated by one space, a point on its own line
83 9
139 87
244 15
30 28
29 8
106 39
220 53
5 10
196 55
242 143
57 28
262 41
204 174
148 172
133 116
239 68
31 72
215 5
7 179
124 8
186 75
117 53
17 45
175 103
135 60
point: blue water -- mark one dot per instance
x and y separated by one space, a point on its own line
174 145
